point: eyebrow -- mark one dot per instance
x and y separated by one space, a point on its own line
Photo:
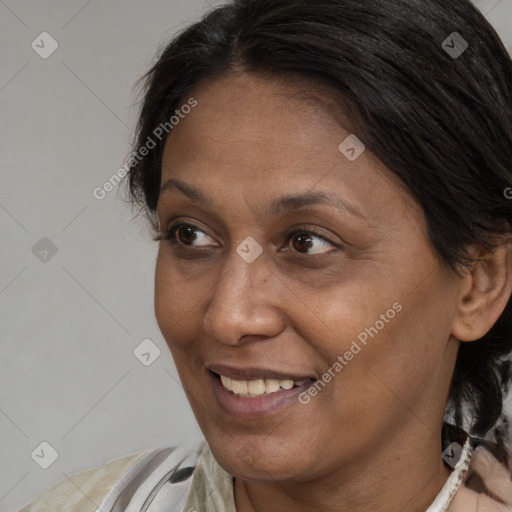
282 205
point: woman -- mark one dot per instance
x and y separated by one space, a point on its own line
328 181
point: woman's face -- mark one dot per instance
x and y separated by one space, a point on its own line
297 263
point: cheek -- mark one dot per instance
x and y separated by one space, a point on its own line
409 359
175 303
392 346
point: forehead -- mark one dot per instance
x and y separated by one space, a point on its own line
268 134
260 94
249 121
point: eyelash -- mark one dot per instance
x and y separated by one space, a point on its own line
170 235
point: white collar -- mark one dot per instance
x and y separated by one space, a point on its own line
447 493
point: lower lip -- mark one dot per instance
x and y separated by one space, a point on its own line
256 407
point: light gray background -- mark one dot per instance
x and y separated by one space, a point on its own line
70 325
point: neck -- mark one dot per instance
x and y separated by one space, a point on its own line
402 475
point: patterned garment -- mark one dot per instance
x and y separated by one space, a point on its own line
177 480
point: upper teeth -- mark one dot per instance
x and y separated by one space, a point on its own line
248 388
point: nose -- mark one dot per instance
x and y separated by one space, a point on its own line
244 305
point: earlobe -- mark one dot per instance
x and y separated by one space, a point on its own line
485 290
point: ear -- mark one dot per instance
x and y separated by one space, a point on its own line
485 290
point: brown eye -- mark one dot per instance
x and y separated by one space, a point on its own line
302 242
308 242
186 234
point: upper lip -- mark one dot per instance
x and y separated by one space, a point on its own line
251 373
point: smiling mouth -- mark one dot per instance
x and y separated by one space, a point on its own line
258 387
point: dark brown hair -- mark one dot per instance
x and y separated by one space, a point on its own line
441 122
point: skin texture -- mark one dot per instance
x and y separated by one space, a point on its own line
370 440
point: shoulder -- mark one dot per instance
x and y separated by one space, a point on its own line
486 486
83 491
127 479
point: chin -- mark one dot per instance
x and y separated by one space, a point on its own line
252 460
